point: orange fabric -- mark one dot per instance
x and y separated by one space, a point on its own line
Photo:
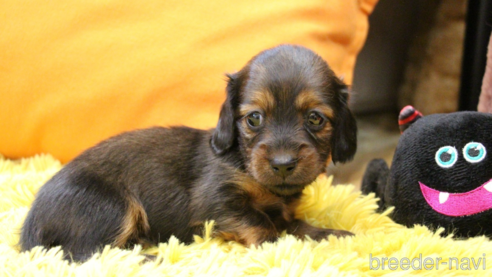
73 73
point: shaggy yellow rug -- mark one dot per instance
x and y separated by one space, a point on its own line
380 247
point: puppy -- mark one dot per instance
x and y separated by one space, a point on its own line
284 118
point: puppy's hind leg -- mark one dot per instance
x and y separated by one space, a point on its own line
82 215
133 229
135 225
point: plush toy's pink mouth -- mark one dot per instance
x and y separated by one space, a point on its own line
459 204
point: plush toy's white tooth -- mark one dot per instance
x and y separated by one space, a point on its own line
443 197
488 186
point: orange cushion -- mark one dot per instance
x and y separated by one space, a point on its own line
74 73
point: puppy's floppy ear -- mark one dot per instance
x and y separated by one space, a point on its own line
344 137
225 132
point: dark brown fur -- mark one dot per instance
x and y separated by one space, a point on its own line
146 185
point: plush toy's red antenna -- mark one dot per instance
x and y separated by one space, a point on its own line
408 115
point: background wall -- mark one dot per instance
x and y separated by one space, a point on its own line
412 56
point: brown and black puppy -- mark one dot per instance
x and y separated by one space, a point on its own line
284 118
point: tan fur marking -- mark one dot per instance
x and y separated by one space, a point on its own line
228 236
328 161
247 131
241 231
254 235
290 213
246 234
259 100
308 100
244 109
134 224
260 195
326 131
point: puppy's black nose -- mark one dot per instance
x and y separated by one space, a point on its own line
283 166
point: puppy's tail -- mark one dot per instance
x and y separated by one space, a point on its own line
375 180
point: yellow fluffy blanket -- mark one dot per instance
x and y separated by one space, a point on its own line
380 247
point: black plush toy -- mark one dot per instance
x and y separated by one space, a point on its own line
441 173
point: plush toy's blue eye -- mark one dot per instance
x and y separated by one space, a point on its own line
474 152
446 156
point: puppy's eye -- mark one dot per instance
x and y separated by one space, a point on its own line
255 119
315 119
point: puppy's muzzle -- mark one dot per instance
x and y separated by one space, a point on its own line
283 165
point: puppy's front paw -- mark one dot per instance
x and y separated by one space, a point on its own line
301 229
320 234
250 235
337 233
260 235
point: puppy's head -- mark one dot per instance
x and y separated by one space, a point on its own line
287 112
